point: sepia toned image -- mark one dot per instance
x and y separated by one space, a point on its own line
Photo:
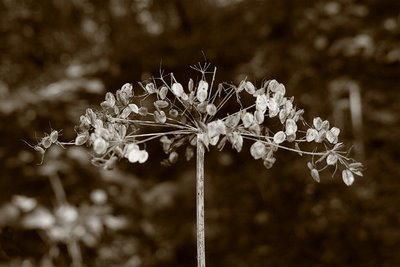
180 133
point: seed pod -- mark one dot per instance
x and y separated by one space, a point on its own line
311 134
281 89
143 111
160 116
134 108
332 135
310 165
82 138
84 120
214 140
249 87
233 120
273 107
91 116
184 96
240 87
315 175
321 136
279 137
202 107
110 99
202 91
116 110
189 153
331 159
317 122
272 86
288 106
335 131
173 113
237 141
127 89
53 136
177 89
247 119
283 115
162 93
125 113
255 129
291 127
122 97
258 150
150 88
100 146
269 162
45 142
173 157
259 116
291 137
190 85
348 177
325 125
262 102
143 156
298 114
160 104
356 165
211 109
166 143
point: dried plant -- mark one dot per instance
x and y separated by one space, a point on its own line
191 119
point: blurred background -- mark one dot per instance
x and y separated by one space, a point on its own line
339 58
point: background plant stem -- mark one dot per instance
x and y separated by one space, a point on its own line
200 229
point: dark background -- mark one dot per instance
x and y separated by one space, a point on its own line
58 57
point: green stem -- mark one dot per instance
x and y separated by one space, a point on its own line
200 227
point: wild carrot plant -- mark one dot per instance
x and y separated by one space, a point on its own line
191 118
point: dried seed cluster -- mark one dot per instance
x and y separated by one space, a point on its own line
177 115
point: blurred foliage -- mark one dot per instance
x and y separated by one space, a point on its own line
58 57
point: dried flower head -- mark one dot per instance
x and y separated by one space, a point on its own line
177 116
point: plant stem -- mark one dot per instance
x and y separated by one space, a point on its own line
200 228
